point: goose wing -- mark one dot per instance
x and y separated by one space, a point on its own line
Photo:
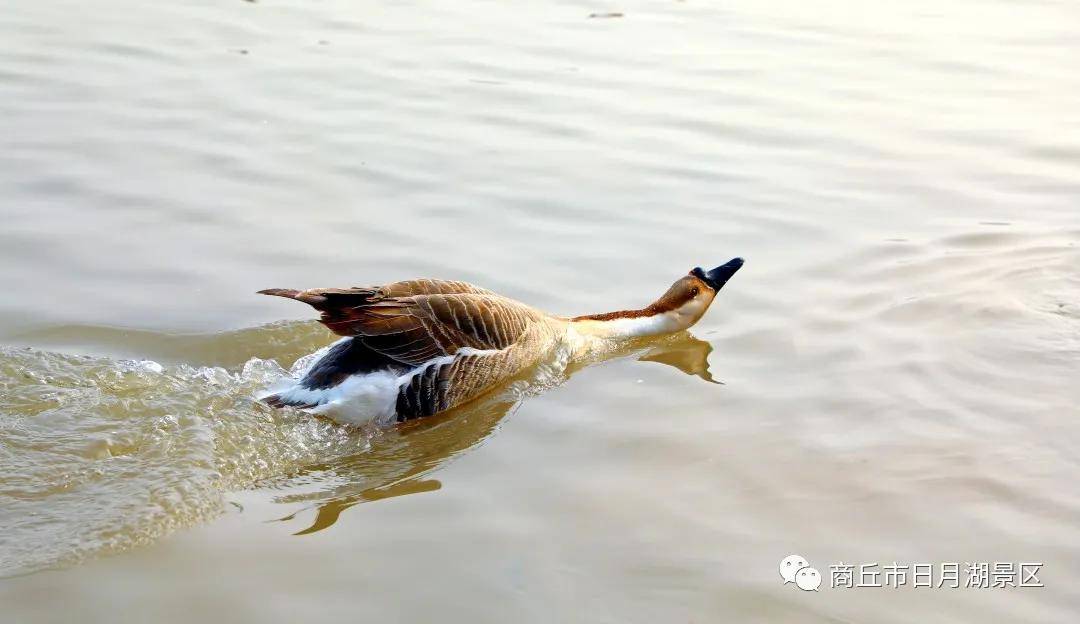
417 321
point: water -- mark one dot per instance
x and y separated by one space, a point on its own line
898 358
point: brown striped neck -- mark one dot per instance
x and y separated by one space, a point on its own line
651 310
677 309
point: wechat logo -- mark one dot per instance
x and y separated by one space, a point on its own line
795 569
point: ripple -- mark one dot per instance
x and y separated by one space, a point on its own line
100 455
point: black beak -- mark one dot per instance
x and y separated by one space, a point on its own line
720 275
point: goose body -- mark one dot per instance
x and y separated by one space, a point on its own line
415 348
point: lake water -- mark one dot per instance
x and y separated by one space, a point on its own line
899 357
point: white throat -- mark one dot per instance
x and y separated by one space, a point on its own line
635 327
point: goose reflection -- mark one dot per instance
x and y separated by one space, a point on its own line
401 458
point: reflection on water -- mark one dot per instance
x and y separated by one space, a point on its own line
398 463
399 460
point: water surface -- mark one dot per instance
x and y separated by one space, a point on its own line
898 358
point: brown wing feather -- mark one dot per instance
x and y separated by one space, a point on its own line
414 330
413 322
411 288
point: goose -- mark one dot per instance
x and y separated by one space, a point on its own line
419 347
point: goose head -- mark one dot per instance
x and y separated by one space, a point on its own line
691 295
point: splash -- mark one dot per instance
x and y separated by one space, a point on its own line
99 455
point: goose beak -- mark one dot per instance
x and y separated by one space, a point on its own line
721 274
